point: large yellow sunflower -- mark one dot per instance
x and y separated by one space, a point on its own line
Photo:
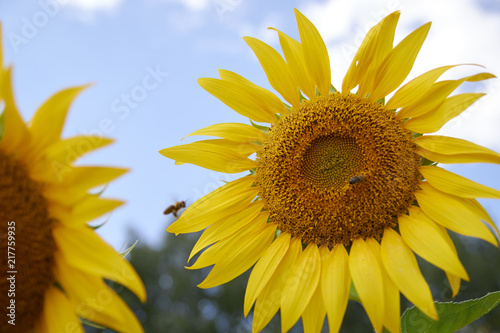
55 264
344 187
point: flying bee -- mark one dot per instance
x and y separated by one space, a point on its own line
356 179
175 208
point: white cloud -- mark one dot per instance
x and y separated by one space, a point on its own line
195 5
461 32
185 21
261 30
86 10
93 5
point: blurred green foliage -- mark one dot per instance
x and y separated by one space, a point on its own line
175 304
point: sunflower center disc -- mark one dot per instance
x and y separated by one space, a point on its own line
330 160
28 249
338 168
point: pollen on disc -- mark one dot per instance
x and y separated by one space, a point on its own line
312 153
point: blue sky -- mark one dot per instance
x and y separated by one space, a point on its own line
144 58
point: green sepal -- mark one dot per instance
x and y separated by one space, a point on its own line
98 194
427 162
89 323
452 315
100 225
264 129
288 107
277 233
127 251
353 294
2 125
332 89
316 92
302 97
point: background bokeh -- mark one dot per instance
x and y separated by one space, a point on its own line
144 57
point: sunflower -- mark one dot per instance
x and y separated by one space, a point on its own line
344 187
55 263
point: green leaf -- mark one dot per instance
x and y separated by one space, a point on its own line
452 316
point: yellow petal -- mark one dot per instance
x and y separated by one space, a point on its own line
225 228
87 209
313 317
95 301
454 282
398 63
84 250
294 56
300 286
232 131
210 156
48 121
15 133
218 251
267 99
449 109
242 149
383 47
218 204
55 162
452 279
87 177
401 265
451 183
1 50
241 98
315 53
426 239
378 40
444 149
474 206
335 284
58 314
76 184
392 305
71 149
436 95
264 269
91 208
431 101
245 250
276 69
367 277
416 88
60 212
452 212
269 300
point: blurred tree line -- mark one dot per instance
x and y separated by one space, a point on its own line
175 304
